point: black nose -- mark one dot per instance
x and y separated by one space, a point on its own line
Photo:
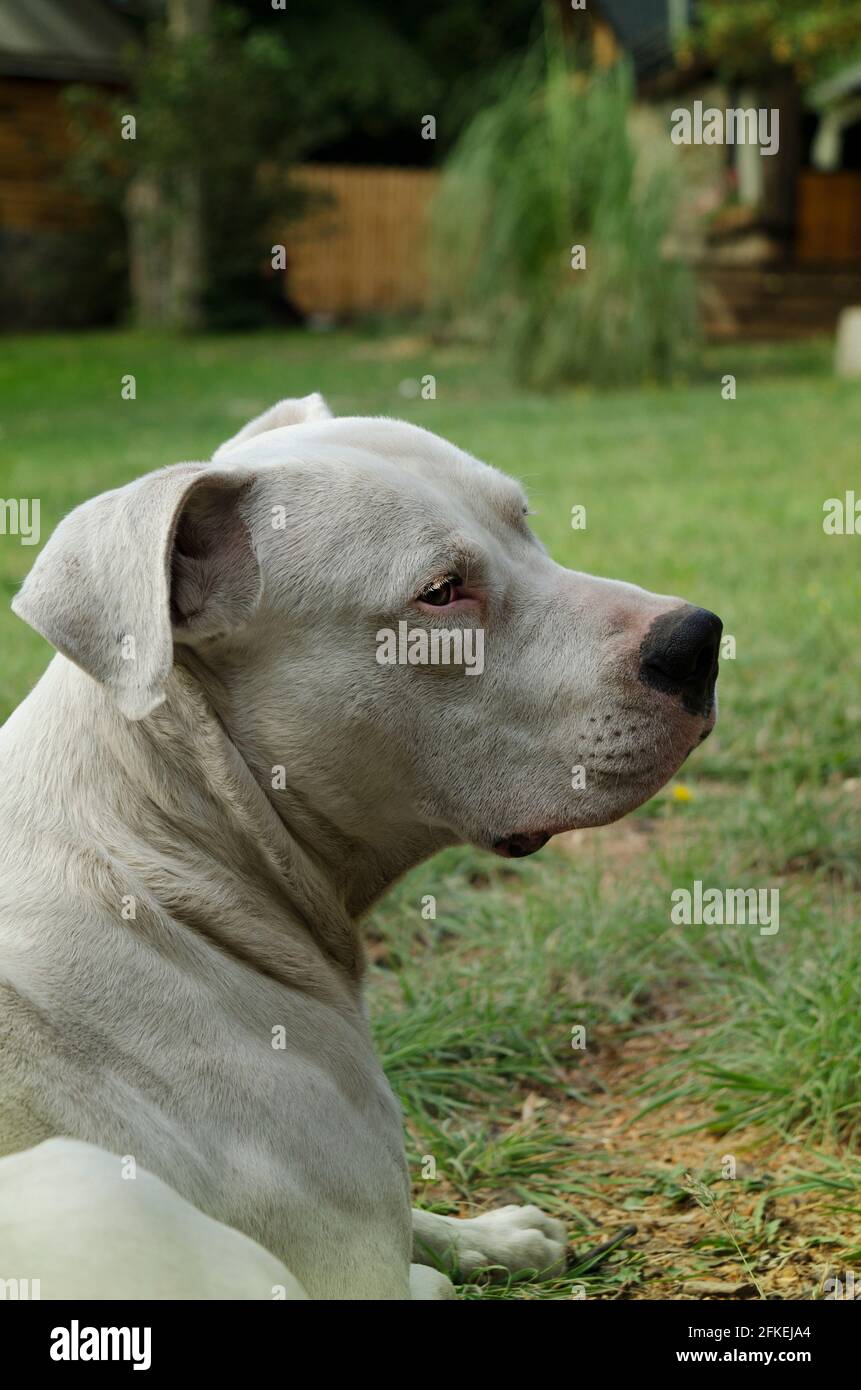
680 655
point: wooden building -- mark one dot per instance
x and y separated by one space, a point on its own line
49 238
44 46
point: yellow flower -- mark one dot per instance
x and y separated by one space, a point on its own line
682 793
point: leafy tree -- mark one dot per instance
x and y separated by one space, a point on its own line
225 101
220 116
380 67
756 39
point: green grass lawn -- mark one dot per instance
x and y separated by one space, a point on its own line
702 1042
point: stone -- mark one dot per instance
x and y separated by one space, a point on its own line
847 357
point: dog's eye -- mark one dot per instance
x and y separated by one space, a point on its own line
441 592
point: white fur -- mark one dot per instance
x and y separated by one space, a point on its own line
171 911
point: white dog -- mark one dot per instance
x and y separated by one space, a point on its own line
212 784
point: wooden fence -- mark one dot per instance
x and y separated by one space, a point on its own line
362 249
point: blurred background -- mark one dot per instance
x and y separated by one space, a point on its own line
331 131
473 215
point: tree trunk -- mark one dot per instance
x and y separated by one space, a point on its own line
186 18
166 244
149 252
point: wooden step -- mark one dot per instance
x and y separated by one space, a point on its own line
774 302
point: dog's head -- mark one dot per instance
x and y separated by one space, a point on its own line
380 622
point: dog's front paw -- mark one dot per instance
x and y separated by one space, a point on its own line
520 1239
427 1284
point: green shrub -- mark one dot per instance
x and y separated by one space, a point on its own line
546 166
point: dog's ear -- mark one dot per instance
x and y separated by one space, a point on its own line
287 412
166 558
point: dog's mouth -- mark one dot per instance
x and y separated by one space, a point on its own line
648 782
518 846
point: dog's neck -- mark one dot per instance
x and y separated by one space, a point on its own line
189 821
170 810
289 871
358 862
227 807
